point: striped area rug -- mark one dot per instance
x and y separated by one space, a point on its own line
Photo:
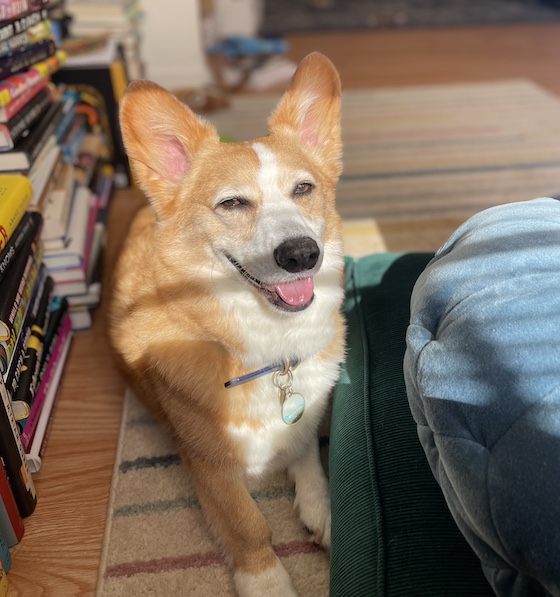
417 161
157 542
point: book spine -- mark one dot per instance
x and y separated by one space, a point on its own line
14 321
47 124
4 585
36 451
24 396
15 460
12 9
11 109
22 24
56 211
59 309
15 360
22 59
23 39
21 234
28 432
104 190
5 558
14 86
15 199
13 291
30 113
8 347
65 123
18 83
94 205
11 377
10 520
50 65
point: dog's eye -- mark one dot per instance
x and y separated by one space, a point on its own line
233 202
303 188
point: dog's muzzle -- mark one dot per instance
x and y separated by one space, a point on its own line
295 255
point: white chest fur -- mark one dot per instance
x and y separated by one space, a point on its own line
274 444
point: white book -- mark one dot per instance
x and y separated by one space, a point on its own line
58 205
69 288
69 274
81 318
41 173
72 254
90 299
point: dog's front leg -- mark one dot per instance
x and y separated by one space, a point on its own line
312 494
242 529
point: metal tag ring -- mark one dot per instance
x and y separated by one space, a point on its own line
287 383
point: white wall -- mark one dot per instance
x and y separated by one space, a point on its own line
171 47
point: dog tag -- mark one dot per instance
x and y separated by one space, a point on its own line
292 404
293 407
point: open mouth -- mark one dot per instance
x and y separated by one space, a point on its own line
292 296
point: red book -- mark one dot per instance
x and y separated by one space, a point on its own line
11 522
21 100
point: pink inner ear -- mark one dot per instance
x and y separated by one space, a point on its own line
309 131
175 160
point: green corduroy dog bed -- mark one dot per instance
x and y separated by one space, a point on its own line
392 534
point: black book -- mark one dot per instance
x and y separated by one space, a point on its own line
22 157
13 130
14 458
30 222
24 58
11 377
14 286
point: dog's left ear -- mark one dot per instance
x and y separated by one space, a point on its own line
310 108
163 139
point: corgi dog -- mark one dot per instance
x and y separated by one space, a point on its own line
225 313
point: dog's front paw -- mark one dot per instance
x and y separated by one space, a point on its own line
312 495
315 513
272 582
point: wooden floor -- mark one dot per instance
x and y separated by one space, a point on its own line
60 552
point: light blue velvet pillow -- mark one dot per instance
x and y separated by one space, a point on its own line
482 372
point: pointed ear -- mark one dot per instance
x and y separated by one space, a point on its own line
162 137
310 108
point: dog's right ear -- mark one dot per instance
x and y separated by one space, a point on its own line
162 137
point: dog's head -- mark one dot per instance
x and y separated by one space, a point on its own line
260 212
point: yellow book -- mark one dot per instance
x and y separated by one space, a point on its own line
15 196
4 587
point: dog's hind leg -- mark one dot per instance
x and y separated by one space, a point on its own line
312 494
240 526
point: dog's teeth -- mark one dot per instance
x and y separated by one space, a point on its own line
299 292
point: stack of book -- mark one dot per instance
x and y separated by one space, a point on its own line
35 336
121 19
52 134
28 58
56 179
74 213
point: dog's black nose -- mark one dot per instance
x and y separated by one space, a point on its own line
297 254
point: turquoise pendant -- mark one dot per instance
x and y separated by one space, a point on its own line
293 407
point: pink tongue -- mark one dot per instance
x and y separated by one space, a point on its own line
299 292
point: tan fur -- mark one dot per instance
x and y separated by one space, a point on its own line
172 332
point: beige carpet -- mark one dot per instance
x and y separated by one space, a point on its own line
421 155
